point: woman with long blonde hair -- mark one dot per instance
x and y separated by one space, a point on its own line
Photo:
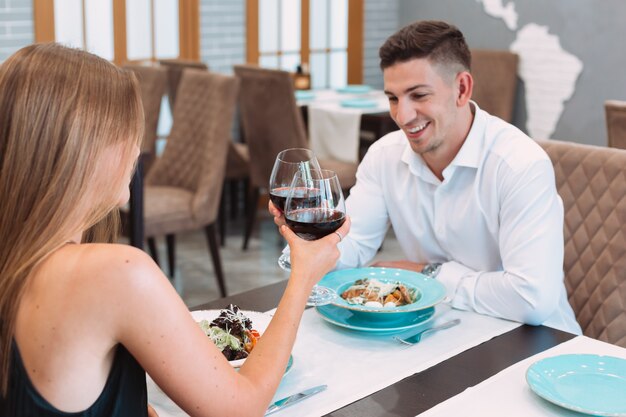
82 318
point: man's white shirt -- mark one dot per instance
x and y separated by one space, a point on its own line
495 221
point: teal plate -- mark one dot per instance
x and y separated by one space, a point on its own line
429 291
355 89
359 103
355 321
590 384
305 95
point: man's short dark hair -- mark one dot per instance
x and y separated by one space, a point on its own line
440 42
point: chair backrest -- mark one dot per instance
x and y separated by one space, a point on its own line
195 154
495 81
175 68
591 180
152 82
270 118
615 112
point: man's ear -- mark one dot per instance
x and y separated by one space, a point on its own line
464 84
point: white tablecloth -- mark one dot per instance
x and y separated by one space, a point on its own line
326 354
508 394
333 129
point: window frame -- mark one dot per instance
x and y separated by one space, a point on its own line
355 36
188 26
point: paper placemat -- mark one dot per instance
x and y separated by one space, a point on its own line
508 394
356 364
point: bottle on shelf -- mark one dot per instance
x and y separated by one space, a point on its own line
302 78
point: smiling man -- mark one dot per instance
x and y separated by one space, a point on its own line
471 198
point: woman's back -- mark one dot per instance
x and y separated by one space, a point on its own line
65 356
124 393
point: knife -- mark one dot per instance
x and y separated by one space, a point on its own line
295 398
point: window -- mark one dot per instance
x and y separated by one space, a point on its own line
122 30
324 35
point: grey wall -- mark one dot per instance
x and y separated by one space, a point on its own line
222 33
381 20
594 31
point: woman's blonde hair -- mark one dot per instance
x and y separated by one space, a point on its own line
60 110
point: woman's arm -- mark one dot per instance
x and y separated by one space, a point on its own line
155 326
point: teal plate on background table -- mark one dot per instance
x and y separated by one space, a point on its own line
305 95
359 103
355 89
590 384
355 321
429 291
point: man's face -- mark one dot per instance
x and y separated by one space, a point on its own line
422 102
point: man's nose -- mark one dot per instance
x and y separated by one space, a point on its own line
405 113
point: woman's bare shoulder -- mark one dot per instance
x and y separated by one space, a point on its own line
108 270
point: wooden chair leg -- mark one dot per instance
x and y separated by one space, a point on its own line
253 202
221 216
215 257
246 197
233 187
171 253
153 249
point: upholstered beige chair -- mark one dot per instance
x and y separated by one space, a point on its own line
495 81
153 83
273 122
615 112
237 165
175 68
591 181
183 188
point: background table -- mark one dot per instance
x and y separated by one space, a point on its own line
426 389
339 132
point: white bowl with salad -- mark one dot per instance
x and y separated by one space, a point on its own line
234 331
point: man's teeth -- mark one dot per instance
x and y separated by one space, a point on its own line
418 128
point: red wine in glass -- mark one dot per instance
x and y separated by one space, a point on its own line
286 165
315 207
278 196
315 223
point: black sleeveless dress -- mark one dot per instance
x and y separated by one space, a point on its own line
124 393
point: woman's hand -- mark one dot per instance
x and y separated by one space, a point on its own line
313 259
279 217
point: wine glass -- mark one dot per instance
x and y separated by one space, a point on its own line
315 207
286 165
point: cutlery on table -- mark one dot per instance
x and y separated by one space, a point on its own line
292 399
418 336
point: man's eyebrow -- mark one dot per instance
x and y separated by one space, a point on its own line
407 90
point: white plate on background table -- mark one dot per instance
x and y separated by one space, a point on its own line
354 89
591 384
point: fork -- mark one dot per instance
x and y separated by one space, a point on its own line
418 336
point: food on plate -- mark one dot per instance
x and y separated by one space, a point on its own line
232 333
375 293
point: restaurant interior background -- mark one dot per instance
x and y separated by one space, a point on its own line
586 31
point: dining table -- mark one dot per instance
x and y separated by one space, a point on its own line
342 121
475 368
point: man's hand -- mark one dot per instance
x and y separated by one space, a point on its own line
279 217
408 265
